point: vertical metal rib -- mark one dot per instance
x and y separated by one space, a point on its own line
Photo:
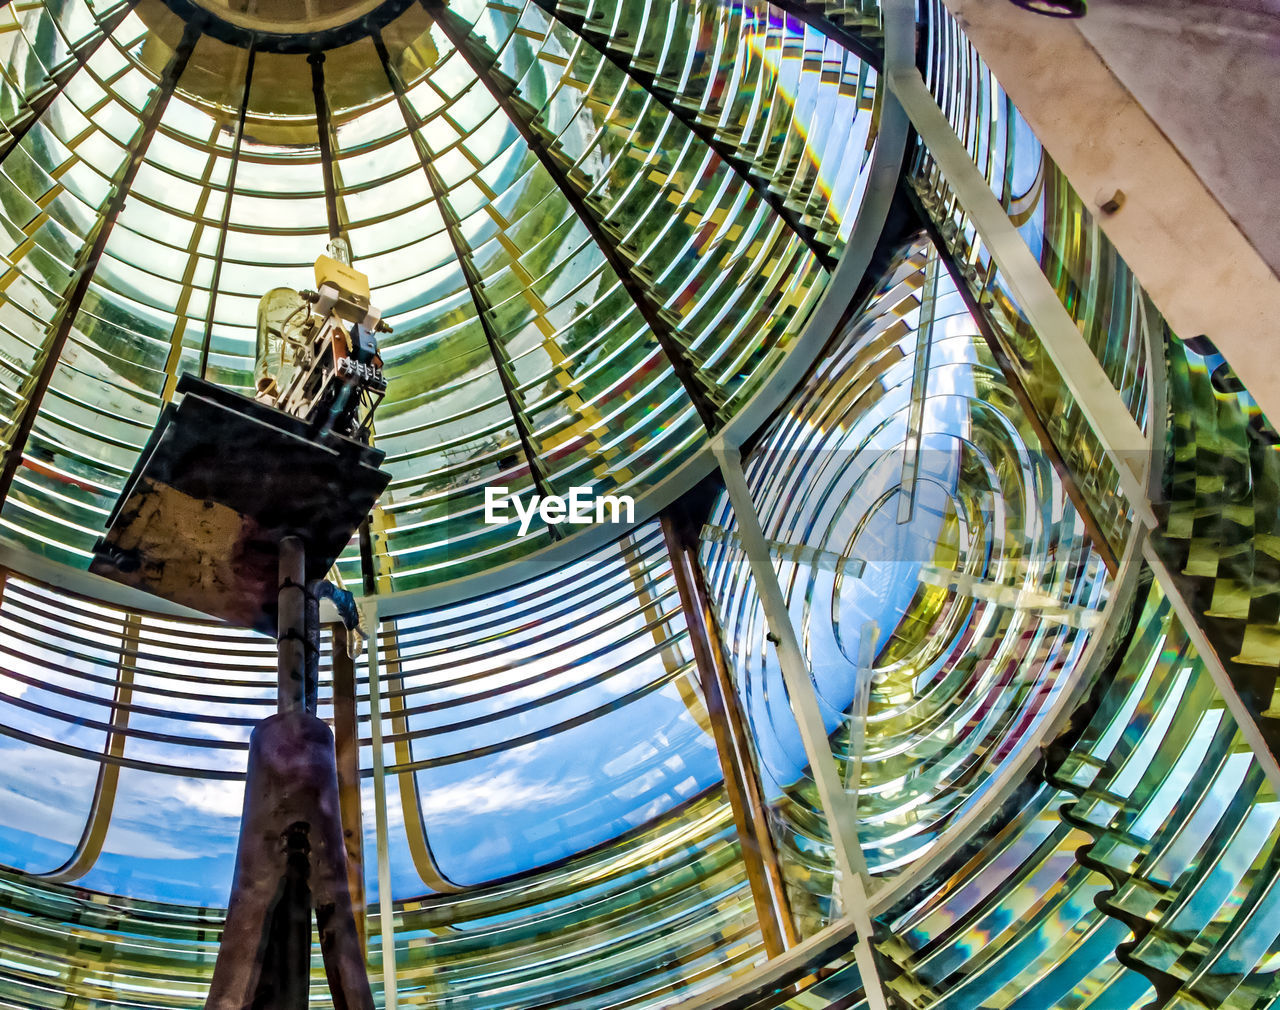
472 276
741 167
226 213
91 254
481 62
333 211
386 904
323 131
60 78
415 829
919 391
742 784
177 335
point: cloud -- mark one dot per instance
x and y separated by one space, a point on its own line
142 844
55 821
487 793
501 788
218 797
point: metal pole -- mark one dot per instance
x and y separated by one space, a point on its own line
291 626
1016 386
220 252
1121 437
742 784
326 143
800 554
919 391
177 335
851 867
311 661
475 285
386 916
858 710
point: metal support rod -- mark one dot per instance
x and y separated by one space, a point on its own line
323 132
851 884
386 916
473 51
311 663
59 78
420 851
225 225
800 554
291 625
177 335
742 783
1119 434
919 391
868 636
1153 333
368 566
741 167
1046 607
91 254
471 275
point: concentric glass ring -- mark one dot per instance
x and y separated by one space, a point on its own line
585 278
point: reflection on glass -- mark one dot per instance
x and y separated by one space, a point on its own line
598 398
929 558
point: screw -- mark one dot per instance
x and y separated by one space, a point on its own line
1110 203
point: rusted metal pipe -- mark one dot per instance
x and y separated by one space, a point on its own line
291 859
311 680
291 626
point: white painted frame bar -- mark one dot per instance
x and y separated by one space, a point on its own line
1121 436
853 883
386 907
1199 269
852 877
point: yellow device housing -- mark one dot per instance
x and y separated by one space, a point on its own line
352 285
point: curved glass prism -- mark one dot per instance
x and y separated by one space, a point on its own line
599 228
